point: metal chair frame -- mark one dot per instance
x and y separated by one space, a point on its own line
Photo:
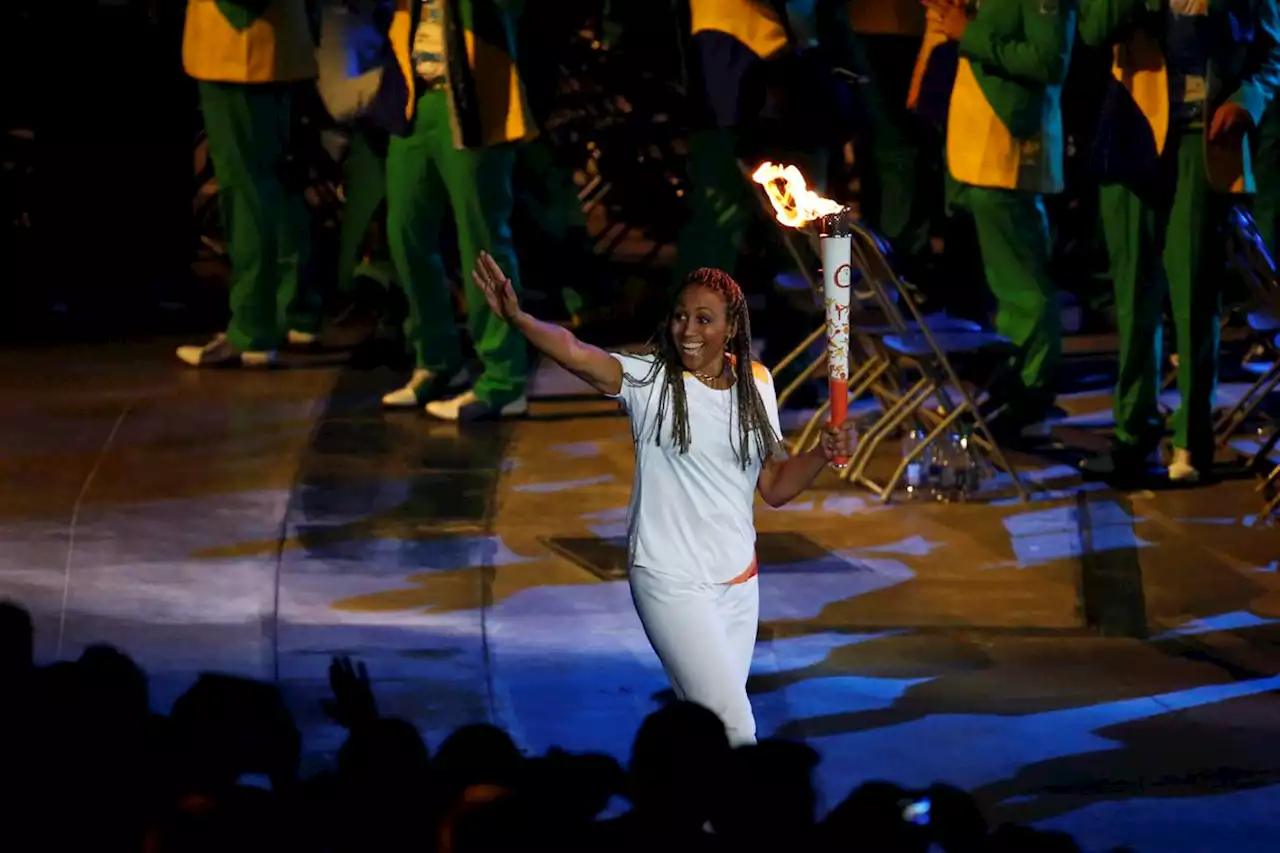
938 379
880 370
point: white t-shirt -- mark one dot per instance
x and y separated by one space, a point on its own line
691 515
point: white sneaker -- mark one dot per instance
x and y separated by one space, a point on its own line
302 339
219 352
1180 468
468 407
422 385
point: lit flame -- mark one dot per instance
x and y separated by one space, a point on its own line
793 201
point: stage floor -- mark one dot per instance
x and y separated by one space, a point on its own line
1103 663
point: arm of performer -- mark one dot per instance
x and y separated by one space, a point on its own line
1040 57
591 364
1103 21
1242 110
782 480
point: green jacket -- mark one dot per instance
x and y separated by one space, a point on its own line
1004 128
1244 68
1020 51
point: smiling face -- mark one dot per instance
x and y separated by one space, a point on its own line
700 329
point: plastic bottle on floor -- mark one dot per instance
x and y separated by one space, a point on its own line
916 479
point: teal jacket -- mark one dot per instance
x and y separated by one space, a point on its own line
1243 67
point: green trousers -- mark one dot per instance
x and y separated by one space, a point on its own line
722 201
1156 240
364 181
1015 244
902 185
1266 171
266 222
719 205
425 172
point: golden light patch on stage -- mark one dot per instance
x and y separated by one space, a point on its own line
42 485
464 589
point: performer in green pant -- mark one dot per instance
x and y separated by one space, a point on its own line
364 180
1004 150
1266 214
246 55
748 61
902 184
1266 172
1194 77
466 107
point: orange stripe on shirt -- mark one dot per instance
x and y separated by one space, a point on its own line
752 571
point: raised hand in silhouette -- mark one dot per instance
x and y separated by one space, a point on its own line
352 704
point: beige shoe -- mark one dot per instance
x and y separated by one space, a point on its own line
302 339
219 352
468 407
1180 468
423 385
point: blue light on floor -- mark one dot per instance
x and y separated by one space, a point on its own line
1221 622
577 450
564 485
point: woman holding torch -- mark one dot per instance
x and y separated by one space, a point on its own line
704 419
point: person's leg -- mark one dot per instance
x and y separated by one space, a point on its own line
1134 232
898 175
965 294
479 187
1013 237
720 205
739 609
416 199
364 183
242 125
1266 213
686 626
1196 302
1266 172
298 305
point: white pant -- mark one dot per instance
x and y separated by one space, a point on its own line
704 635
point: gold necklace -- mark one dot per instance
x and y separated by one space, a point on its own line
707 379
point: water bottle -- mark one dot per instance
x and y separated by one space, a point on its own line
941 467
917 469
951 468
964 466
974 468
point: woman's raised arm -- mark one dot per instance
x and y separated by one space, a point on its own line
590 363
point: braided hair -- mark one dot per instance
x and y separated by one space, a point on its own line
752 416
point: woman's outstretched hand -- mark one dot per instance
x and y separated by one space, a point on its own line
839 442
496 287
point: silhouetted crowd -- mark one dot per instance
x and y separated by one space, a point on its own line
88 766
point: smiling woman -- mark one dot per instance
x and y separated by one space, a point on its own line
704 419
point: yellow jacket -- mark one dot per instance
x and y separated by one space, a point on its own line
755 23
488 106
933 39
275 46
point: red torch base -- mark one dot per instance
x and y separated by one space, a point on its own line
839 389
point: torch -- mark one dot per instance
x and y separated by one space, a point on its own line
797 206
834 239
